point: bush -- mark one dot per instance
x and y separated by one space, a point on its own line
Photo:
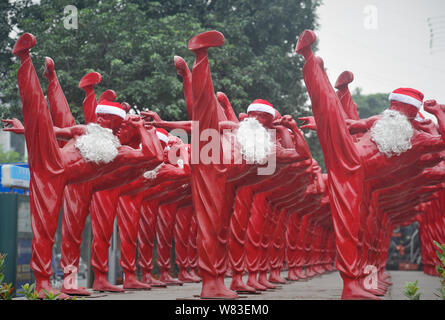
6 289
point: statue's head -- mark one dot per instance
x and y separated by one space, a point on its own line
263 111
128 134
407 101
110 114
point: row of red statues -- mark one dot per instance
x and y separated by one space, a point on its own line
225 215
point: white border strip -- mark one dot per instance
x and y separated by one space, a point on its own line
405 99
262 108
103 108
162 137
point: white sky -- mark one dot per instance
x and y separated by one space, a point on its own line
395 54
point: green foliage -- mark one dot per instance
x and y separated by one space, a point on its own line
29 292
9 156
411 289
132 44
6 289
5 41
441 291
370 104
440 267
50 295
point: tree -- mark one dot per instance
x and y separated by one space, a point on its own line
5 41
8 156
370 104
132 44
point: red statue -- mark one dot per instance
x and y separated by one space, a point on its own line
77 197
213 205
350 162
53 167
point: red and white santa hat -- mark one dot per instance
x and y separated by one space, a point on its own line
262 106
111 107
419 117
408 96
162 135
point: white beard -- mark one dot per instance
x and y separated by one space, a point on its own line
98 144
392 133
255 140
152 174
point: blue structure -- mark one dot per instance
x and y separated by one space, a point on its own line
19 171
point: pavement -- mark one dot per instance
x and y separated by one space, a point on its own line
325 287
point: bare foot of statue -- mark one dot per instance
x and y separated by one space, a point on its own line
353 290
185 277
213 287
194 275
72 289
253 282
148 278
275 277
262 279
169 280
23 44
345 78
206 40
181 66
305 42
43 287
299 273
292 275
131 282
48 73
101 283
90 80
239 286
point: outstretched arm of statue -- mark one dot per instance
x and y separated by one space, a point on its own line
308 123
288 155
172 172
438 110
299 142
227 106
362 125
151 147
16 126
426 125
426 142
69 132
228 125
171 125
284 135
148 114
167 125
61 133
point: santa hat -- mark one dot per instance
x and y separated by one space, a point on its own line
111 107
419 117
262 106
408 96
162 135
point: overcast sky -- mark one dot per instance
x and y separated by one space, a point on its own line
386 44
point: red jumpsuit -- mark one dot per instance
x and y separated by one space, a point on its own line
51 168
348 164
